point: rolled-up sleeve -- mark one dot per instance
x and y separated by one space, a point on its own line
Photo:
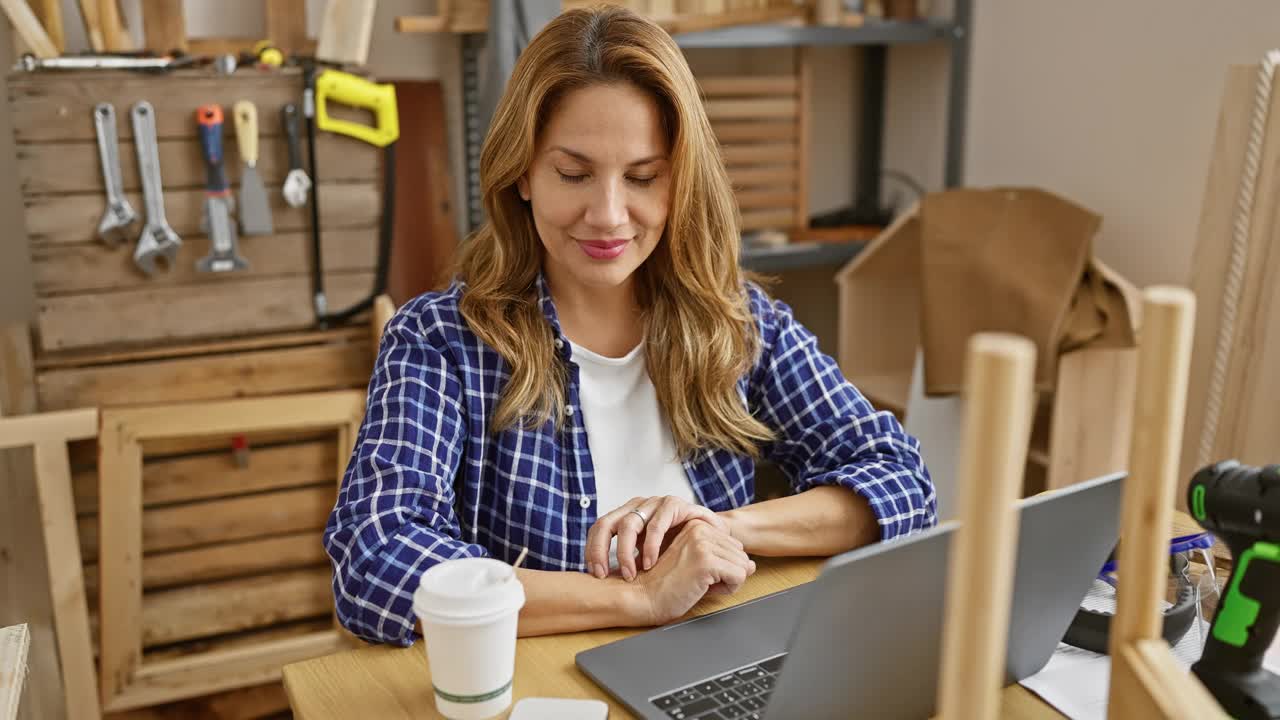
827 432
394 516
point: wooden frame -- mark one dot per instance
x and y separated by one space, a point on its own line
128 682
1146 681
999 390
48 435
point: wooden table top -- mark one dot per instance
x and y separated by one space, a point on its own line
395 683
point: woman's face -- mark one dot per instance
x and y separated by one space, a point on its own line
598 185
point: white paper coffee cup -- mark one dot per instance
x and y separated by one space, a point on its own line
468 608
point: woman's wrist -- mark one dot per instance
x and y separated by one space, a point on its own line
740 527
633 602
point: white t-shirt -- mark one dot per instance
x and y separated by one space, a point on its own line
631 445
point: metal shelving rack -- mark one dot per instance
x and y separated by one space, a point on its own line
875 36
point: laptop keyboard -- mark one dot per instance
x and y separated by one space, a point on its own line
736 695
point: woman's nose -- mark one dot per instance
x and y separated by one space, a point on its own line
608 206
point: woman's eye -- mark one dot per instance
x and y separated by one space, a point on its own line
643 182
571 178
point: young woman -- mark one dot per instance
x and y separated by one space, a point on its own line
601 373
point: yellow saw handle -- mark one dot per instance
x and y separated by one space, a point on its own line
358 92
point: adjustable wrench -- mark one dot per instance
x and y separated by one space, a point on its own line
119 214
158 239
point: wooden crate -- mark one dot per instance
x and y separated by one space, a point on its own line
762 123
134 620
90 295
231 556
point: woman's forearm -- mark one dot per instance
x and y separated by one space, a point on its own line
821 521
557 602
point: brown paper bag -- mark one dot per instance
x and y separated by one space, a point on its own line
1012 260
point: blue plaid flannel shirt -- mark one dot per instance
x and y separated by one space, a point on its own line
428 481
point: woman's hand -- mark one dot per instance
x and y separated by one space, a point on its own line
700 559
662 515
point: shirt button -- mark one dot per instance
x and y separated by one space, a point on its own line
559 344
568 410
584 503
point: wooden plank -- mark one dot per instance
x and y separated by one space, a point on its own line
165 25
15 644
73 167
755 130
218 521
1247 397
120 597
713 20
273 341
768 219
804 76
85 453
762 199
266 372
886 274
457 16
252 703
66 584
1136 692
216 608
49 13
93 267
311 411
735 154
28 28
1000 394
24 578
748 85
48 428
73 219
113 31
286 25
212 476
345 30
425 235
224 670
1092 415
92 25
772 177
1190 698
383 310
1164 358
754 109
57 107
189 312
236 641
224 562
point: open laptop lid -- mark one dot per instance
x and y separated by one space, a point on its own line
869 641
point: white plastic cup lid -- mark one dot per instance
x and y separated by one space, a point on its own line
468 590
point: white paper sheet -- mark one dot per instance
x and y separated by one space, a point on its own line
1075 681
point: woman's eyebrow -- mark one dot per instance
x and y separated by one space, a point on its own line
587 160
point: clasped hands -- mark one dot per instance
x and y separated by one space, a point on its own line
685 552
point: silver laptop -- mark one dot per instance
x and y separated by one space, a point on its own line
864 638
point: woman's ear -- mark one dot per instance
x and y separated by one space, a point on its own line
522 186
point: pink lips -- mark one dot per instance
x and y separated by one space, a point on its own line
603 249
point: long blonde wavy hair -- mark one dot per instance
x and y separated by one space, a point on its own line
700 337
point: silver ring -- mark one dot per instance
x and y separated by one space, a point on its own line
643 520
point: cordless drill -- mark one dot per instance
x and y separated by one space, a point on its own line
1241 505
